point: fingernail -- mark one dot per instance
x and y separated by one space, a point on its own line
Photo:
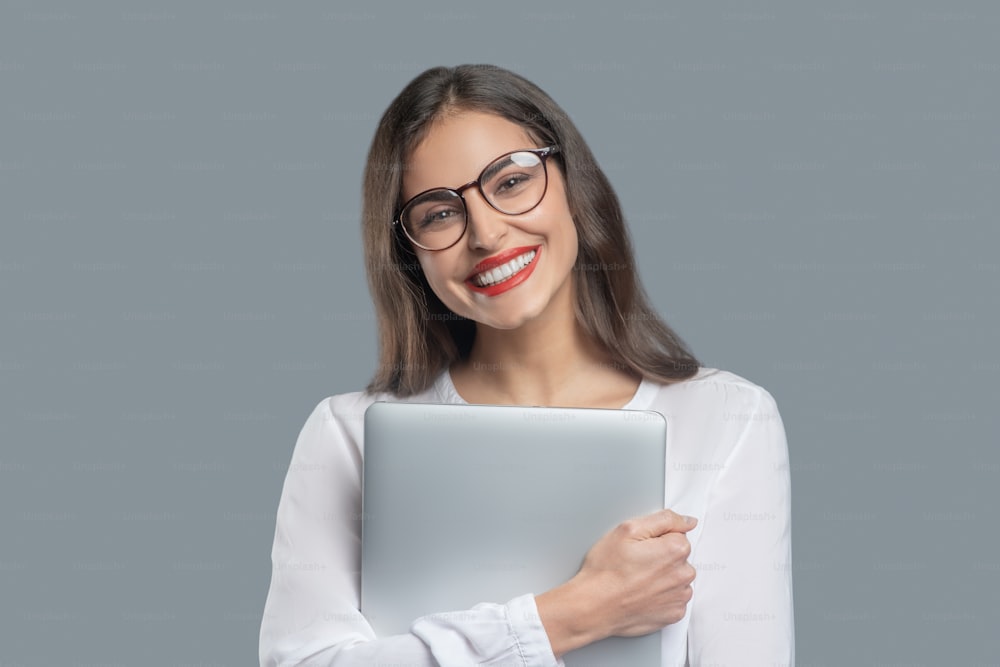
689 519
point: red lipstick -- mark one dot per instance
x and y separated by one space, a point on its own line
498 260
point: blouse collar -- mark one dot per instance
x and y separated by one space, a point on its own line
641 400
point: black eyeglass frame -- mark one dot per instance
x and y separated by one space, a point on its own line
542 154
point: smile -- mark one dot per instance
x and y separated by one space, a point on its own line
504 271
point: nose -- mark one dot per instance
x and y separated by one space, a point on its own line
486 227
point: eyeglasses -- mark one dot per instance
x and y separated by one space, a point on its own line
514 183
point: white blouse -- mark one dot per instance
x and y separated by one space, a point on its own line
727 465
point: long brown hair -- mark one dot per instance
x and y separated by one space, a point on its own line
419 336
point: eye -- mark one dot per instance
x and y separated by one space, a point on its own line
511 183
439 216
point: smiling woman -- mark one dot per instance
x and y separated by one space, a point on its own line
444 129
502 273
542 230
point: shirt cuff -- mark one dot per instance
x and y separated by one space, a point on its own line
529 633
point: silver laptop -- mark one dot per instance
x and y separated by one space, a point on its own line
463 504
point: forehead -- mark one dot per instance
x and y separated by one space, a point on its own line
457 148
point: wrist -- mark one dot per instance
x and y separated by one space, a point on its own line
571 617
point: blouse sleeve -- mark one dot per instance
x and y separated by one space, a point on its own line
311 615
741 612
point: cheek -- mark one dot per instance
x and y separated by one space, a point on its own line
436 275
430 263
571 242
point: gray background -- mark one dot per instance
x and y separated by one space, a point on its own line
813 195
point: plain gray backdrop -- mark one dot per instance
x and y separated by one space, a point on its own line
813 194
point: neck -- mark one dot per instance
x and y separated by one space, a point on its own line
543 362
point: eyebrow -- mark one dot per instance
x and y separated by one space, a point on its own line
437 194
492 170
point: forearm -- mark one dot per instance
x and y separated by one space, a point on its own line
488 634
354 651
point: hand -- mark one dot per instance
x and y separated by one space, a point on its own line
633 581
638 574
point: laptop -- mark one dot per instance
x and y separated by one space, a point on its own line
463 504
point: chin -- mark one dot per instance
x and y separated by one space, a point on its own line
512 321
505 325
527 307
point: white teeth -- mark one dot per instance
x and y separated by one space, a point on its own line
504 271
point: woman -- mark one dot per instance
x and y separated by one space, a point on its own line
502 273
